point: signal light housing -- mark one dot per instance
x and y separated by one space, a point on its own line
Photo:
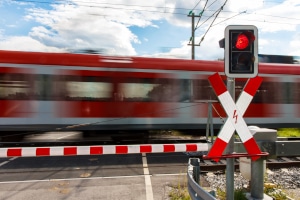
241 51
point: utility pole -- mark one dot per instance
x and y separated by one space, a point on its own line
192 39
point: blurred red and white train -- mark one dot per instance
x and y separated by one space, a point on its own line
45 91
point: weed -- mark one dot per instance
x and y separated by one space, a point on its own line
179 193
288 132
239 194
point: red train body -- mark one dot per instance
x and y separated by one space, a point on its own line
46 91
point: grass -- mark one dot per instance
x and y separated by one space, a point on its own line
180 192
239 194
275 192
288 132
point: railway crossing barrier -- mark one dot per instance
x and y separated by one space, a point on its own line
100 150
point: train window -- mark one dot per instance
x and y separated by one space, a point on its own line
16 86
295 92
202 90
82 88
42 87
287 95
159 90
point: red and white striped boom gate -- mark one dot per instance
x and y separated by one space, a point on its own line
100 150
235 120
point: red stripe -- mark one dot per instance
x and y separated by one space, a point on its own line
96 150
121 149
217 149
116 75
145 148
17 108
191 147
70 151
253 85
217 83
43 151
114 109
14 152
252 148
66 59
169 148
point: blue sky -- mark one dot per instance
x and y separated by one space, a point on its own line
156 28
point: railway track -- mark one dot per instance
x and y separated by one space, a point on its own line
274 163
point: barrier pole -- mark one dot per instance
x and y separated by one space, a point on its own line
230 150
257 179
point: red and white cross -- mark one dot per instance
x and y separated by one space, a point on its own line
235 120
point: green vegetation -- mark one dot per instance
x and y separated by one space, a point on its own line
288 132
272 191
239 194
180 192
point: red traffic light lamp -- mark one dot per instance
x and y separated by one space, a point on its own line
242 41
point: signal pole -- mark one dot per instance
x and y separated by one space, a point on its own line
192 38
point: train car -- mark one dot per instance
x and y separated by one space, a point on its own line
58 91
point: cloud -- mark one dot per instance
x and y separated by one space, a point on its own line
183 52
24 43
106 25
71 27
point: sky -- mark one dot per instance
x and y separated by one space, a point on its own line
156 28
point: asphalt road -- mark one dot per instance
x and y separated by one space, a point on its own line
131 176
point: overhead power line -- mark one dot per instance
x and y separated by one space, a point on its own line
141 8
217 13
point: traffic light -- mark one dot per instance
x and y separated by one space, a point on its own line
241 56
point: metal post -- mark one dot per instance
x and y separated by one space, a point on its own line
230 150
195 162
192 39
209 125
193 36
257 179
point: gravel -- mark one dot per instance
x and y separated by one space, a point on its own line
287 179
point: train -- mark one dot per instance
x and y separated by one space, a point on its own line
42 91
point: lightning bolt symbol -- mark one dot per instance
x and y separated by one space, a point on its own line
235 116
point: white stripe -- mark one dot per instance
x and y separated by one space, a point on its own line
202 147
227 131
157 148
5 162
227 103
30 151
83 150
180 147
109 149
88 178
243 102
134 149
3 152
148 184
240 125
57 151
